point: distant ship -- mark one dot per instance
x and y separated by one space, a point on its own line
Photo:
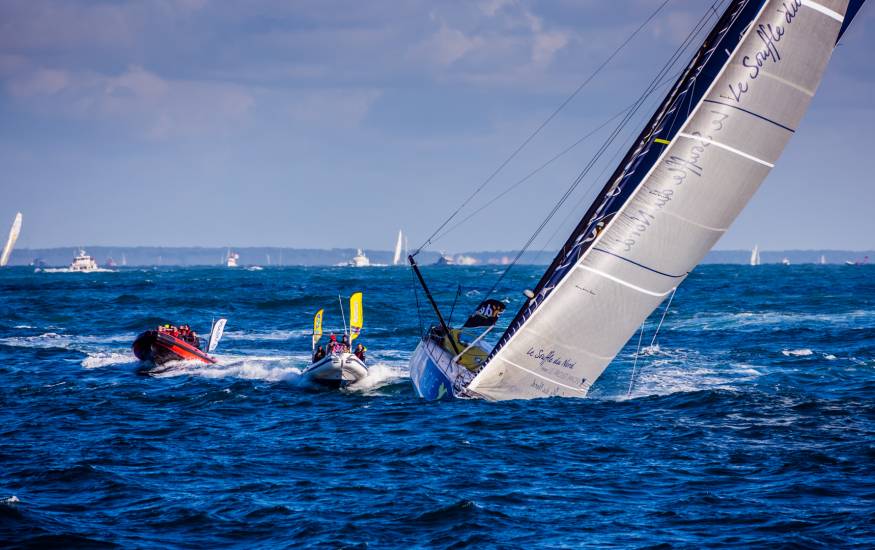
83 262
755 255
231 260
110 263
445 260
10 242
785 261
359 260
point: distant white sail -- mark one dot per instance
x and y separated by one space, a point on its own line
673 196
755 255
396 259
10 242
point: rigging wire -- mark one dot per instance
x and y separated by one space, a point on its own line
665 68
650 347
537 170
543 125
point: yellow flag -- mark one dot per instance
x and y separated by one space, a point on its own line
317 327
356 316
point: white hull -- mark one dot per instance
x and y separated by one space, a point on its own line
336 370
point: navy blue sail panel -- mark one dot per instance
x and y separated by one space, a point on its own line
853 7
665 123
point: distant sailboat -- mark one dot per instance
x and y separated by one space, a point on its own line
822 260
10 242
396 258
689 173
755 255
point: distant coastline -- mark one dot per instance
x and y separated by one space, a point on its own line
277 256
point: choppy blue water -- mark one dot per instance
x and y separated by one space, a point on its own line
753 424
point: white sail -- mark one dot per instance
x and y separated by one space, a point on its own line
396 259
10 242
755 255
685 202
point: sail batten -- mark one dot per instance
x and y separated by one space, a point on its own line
698 161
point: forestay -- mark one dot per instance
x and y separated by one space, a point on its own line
695 166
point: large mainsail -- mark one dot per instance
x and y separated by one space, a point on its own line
698 161
10 242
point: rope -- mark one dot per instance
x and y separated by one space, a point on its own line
635 363
641 334
542 125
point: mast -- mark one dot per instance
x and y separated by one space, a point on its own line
432 302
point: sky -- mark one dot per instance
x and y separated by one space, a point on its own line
323 124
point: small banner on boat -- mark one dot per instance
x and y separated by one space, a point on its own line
486 315
317 326
356 316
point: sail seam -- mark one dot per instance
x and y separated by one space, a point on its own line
512 364
778 124
786 82
824 10
697 224
624 283
633 262
725 147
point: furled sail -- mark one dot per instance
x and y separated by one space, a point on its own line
698 161
10 242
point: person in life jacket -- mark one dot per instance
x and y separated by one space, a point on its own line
344 343
360 352
320 353
333 345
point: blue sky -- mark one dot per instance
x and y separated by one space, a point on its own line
334 124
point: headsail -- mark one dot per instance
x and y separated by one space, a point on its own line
356 316
10 242
699 159
396 259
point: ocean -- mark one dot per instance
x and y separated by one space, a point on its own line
750 421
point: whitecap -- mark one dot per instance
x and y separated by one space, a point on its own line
803 352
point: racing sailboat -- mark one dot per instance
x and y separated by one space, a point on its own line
699 159
338 366
399 244
755 255
10 242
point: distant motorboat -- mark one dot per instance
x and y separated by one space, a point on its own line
864 261
785 261
83 262
14 231
445 260
359 260
755 255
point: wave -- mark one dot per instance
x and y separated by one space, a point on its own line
755 321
